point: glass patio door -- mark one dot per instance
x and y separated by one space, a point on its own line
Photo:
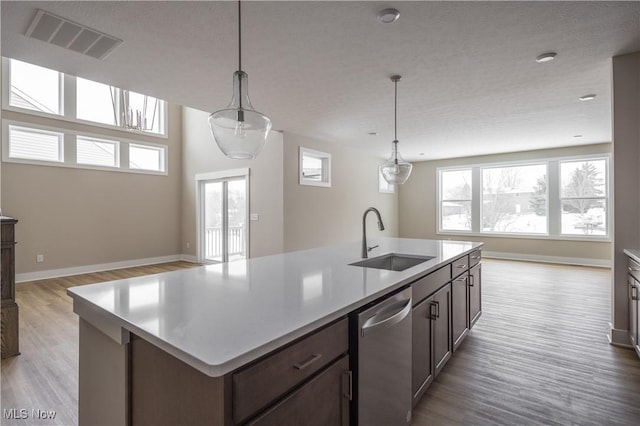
223 223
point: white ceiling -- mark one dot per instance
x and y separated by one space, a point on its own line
470 83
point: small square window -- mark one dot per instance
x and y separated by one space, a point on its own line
383 185
146 157
35 88
315 168
97 152
35 144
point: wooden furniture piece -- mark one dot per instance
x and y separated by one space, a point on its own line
633 278
9 308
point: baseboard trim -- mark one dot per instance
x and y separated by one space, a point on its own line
619 337
580 261
189 258
87 269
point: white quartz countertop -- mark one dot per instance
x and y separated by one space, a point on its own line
217 318
634 254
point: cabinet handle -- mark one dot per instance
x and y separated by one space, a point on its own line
349 377
463 266
307 363
471 281
461 279
432 312
475 257
436 314
632 269
634 292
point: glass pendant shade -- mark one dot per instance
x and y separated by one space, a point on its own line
239 130
396 170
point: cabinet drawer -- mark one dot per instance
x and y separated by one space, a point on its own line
426 286
458 266
268 379
322 401
475 257
634 269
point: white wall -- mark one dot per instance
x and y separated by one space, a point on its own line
317 216
201 155
80 217
418 210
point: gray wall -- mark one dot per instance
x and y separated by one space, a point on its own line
626 157
78 217
317 216
201 155
418 209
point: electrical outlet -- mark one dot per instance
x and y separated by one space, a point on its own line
39 258
254 216
188 245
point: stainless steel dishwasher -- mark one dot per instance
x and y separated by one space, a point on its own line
383 361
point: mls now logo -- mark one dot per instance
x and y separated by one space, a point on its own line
23 413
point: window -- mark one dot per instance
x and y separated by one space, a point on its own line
583 192
94 102
50 146
565 198
146 157
455 193
35 144
97 152
315 168
35 88
383 185
514 199
40 91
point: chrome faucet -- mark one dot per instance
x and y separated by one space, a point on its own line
366 249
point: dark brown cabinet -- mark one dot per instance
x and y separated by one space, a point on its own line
459 309
322 401
9 309
431 339
475 294
634 304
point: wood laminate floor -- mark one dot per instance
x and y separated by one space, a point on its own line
538 355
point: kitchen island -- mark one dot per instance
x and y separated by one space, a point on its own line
186 346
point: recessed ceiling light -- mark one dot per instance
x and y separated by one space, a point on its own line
546 57
422 153
577 136
373 133
587 97
388 16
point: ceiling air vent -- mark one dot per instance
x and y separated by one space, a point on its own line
54 29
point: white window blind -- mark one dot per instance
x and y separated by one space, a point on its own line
35 144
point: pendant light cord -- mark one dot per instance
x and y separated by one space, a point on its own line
395 112
239 37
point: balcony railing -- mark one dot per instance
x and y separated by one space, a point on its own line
213 241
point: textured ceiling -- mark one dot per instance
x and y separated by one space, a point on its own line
470 83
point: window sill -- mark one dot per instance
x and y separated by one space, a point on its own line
590 239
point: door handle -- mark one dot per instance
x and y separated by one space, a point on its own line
398 316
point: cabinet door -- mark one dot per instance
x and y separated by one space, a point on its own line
633 310
475 294
441 331
422 367
459 309
322 401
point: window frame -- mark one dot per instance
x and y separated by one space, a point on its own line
554 199
69 140
439 172
325 157
115 142
67 97
6 145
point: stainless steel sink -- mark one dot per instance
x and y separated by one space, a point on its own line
393 261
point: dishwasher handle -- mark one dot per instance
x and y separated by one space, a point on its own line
387 317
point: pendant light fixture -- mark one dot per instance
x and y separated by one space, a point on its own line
239 130
396 170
